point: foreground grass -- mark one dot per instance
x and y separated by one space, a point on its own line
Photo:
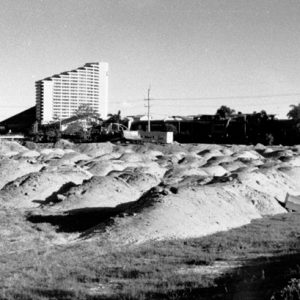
159 269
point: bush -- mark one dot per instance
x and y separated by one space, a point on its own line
290 292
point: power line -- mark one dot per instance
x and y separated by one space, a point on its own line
231 97
200 98
213 105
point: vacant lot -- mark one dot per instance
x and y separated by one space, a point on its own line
103 221
252 262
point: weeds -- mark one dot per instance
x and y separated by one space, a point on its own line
86 270
290 292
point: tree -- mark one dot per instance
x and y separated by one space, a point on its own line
225 112
86 110
114 118
74 128
88 113
294 113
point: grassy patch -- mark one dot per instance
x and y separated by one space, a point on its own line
157 269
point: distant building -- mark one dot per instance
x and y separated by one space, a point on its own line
22 122
59 96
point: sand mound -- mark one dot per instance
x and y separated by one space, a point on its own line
218 160
189 213
173 158
192 161
98 191
210 153
30 153
102 168
292 176
271 182
108 156
70 158
295 161
134 157
152 191
260 147
248 155
215 171
11 169
32 189
177 174
95 149
63 144
137 178
232 166
10 148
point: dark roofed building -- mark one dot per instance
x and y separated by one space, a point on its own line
19 123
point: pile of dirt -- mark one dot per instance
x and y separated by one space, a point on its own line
33 189
189 211
64 144
69 158
151 191
102 167
98 191
95 149
11 148
11 169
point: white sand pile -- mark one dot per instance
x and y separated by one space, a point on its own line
294 162
11 169
210 153
70 158
108 156
218 160
292 176
11 148
271 182
177 174
215 171
102 167
189 213
192 161
32 189
151 167
232 166
196 148
137 178
198 200
249 155
54 152
64 144
160 191
97 191
30 154
134 157
173 158
95 149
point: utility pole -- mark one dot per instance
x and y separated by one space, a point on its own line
148 106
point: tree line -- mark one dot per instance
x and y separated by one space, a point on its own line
225 112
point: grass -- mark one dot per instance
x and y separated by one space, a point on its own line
158 269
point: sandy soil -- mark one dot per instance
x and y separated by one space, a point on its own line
151 191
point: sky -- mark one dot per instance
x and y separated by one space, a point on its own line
196 55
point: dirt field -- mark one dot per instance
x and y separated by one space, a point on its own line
111 200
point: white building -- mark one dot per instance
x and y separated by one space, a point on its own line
59 96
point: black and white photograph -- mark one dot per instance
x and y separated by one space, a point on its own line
149 149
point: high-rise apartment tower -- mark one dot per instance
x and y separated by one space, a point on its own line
59 96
